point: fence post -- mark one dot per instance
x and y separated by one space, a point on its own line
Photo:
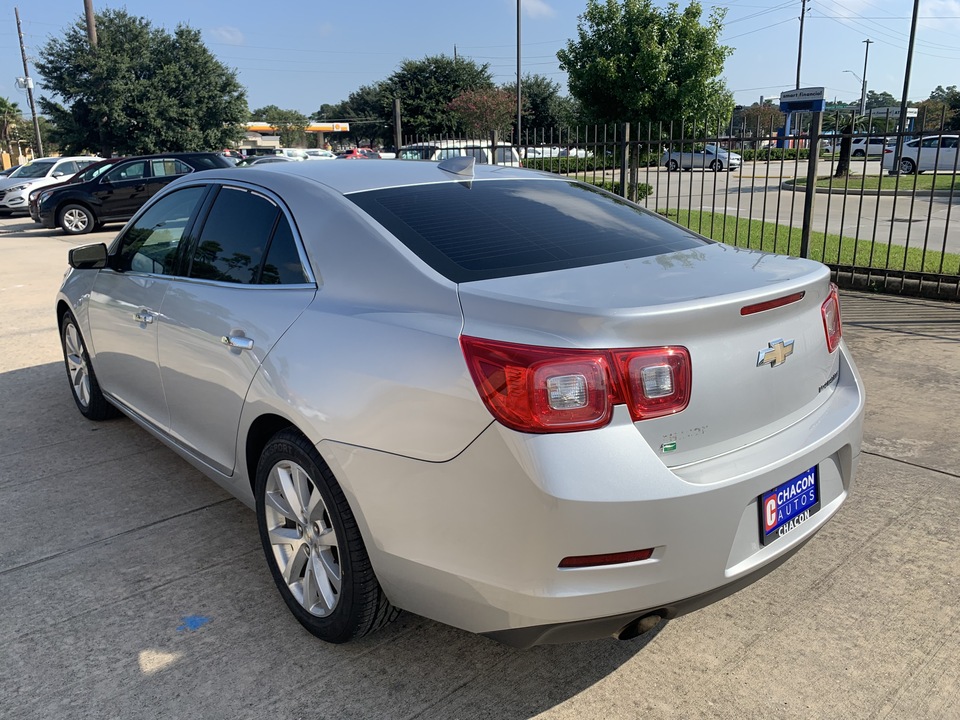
816 124
624 157
493 147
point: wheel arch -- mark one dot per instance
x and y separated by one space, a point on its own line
66 202
258 435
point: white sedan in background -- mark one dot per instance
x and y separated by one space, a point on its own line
709 156
937 152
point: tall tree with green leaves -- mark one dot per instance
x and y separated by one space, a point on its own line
141 90
426 87
479 112
635 62
544 108
291 125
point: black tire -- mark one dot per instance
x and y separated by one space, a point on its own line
673 166
716 166
326 541
859 153
907 166
83 381
76 220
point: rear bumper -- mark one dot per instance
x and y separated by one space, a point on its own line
475 542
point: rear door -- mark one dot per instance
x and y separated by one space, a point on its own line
163 171
245 284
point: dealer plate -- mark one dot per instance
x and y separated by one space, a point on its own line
789 505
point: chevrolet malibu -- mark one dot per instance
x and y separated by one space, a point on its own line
504 400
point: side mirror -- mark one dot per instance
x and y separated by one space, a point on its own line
88 257
57 173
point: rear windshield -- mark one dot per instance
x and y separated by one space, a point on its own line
498 228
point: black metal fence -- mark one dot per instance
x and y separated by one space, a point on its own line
880 213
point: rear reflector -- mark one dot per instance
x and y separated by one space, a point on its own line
582 561
771 304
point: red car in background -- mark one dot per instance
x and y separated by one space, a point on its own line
359 154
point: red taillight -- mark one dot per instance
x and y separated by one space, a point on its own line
831 318
543 389
582 561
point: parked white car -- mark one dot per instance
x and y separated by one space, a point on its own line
938 152
863 146
709 156
320 154
36 174
438 150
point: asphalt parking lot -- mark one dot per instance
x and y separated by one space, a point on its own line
132 587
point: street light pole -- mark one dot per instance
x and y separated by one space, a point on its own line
519 105
906 86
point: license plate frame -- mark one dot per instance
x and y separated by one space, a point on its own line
789 505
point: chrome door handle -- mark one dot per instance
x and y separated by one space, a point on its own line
144 316
238 342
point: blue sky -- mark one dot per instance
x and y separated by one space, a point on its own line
309 53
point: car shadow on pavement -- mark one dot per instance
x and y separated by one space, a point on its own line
155 580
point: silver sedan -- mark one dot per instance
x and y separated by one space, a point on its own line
501 399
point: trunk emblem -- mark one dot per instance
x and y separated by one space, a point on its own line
776 353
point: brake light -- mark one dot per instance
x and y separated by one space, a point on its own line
831 318
544 389
583 561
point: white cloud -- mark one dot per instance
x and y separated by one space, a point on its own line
537 8
228 35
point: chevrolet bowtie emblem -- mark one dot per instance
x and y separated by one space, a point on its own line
776 354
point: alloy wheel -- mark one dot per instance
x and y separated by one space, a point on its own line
304 542
76 365
75 220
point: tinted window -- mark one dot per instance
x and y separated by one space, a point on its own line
150 244
282 265
234 237
67 168
169 166
205 162
127 171
496 228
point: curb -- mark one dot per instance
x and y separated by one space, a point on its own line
850 190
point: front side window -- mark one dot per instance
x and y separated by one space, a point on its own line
67 168
151 244
246 239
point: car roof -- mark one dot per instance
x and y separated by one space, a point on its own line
377 174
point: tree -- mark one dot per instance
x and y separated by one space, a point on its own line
481 111
881 100
10 120
949 99
767 117
291 125
426 87
636 62
141 90
543 106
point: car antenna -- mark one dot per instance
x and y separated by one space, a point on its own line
462 165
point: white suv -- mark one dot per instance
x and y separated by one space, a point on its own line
862 147
36 174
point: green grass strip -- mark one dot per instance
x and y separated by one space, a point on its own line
907 183
825 247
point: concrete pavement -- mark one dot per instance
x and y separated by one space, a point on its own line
132 587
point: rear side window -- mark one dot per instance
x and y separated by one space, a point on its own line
169 166
241 229
498 228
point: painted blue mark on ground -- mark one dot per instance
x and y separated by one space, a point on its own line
193 622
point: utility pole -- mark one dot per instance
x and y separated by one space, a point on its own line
906 88
803 12
863 91
519 105
91 22
28 83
